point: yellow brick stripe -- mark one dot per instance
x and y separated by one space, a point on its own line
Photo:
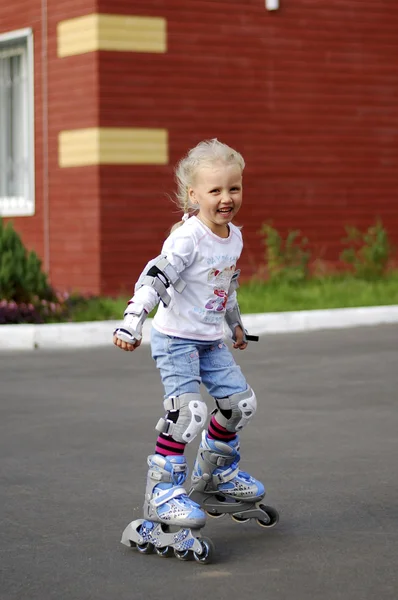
113 146
111 32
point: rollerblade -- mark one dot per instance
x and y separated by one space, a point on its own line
220 488
172 522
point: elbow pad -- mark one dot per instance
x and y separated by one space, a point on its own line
160 274
233 286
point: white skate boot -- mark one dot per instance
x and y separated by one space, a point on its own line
219 487
172 521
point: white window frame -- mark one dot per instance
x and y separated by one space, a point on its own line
23 205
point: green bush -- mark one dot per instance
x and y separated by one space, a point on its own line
287 259
21 275
368 252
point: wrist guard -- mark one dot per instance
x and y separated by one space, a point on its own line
130 330
233 318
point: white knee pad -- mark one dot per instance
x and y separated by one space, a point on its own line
234 412
192 415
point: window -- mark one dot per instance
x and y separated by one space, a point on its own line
16 124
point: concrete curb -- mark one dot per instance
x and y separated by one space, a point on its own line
99 333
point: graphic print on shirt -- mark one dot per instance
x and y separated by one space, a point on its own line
220 281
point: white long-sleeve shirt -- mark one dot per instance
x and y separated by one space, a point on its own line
206 263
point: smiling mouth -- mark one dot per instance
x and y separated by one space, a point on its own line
225 210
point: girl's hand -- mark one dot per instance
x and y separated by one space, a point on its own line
126 346
239 338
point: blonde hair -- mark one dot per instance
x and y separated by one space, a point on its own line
206 153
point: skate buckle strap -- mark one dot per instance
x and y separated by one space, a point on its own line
217 459
179 468
227 475
163 496
178 473
156 475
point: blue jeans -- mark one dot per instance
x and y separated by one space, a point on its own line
185 364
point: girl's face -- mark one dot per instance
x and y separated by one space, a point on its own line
217 191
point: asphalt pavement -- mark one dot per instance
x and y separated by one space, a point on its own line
76 427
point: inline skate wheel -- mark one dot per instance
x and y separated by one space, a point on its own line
182 554
272 514
239 519
145 548
165 552
206 555
214 515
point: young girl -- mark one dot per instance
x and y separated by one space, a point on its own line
195 281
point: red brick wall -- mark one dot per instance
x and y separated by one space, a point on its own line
22 14
308 94
74 192
68 241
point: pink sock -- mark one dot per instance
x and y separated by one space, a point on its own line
217 432
166 446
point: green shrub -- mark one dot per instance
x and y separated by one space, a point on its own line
369 251
287 259
21 275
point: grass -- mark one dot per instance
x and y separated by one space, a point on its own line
261 297
318 294
98 309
